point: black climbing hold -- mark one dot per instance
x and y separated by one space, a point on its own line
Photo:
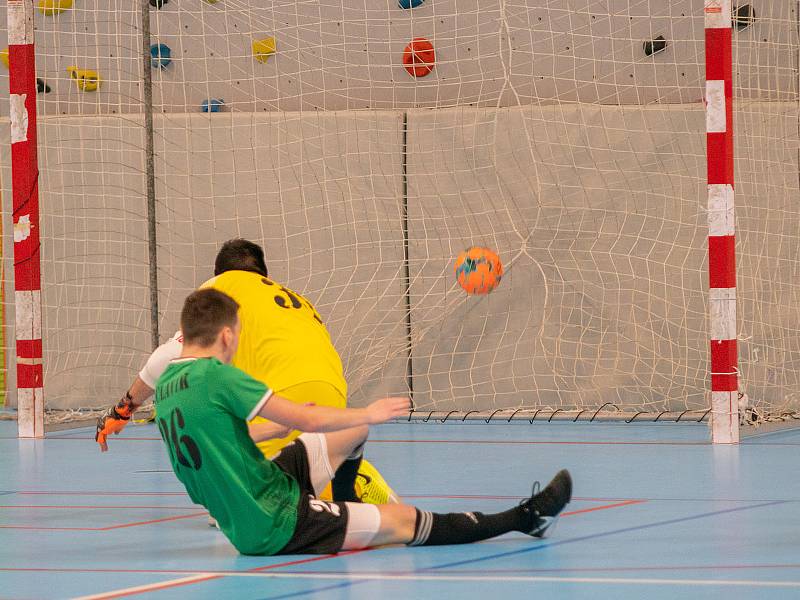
654 46
743 16
158 3
42 87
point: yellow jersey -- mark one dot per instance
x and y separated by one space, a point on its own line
284 341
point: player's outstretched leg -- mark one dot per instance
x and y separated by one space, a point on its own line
401 523
347 451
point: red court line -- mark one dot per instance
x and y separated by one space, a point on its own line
109 528
542 442
101 493
625 569
150 522
97 506
604 507
471 442
203 578
489 497
224 572
416 496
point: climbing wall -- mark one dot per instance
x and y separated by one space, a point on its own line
348 54
567 135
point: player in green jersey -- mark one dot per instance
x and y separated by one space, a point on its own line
271 506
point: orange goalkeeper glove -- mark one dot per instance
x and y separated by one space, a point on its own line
113 420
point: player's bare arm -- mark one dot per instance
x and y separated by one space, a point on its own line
261 432
118 416
319 419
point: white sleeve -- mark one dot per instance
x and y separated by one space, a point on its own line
160 358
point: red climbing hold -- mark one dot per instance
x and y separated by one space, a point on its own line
418 57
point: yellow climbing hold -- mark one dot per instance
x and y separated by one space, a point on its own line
263 49
86 79
4 56
54 7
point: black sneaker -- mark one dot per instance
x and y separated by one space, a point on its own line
545 506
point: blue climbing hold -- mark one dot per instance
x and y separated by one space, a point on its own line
160 56
410 3
212 105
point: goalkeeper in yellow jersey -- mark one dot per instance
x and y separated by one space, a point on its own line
283 342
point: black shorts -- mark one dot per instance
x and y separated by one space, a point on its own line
322 527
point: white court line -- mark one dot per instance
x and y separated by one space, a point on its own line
139 589
452 578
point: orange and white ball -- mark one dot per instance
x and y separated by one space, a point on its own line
478 270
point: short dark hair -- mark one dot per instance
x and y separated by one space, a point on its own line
240 255
205 313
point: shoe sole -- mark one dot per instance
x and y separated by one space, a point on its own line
548 527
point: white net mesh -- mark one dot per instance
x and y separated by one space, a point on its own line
544 132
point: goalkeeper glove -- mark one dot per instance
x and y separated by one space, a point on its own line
114 420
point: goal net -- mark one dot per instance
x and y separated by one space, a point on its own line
567 136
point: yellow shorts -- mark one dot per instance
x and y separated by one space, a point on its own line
320 393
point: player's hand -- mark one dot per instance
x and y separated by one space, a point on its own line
386 409
113 421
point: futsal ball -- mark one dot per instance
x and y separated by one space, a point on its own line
478 270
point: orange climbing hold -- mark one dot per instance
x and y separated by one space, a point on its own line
419 57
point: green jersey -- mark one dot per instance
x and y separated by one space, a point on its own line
203 408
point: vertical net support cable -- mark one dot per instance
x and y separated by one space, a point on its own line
147 82
25 193
721 233
406 265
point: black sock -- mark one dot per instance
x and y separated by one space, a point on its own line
343 484
434 529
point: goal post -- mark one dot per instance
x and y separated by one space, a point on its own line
25 211
721 218
366 146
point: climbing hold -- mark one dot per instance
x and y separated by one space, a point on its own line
158 3
212 105
410 3
263 49
160 56
54 7
86 79
42 87
655 46
419 57
4 56
212 1
743 16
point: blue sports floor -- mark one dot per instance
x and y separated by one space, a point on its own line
657 513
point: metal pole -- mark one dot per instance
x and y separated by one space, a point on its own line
147 80
25 191
407 271
721 230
